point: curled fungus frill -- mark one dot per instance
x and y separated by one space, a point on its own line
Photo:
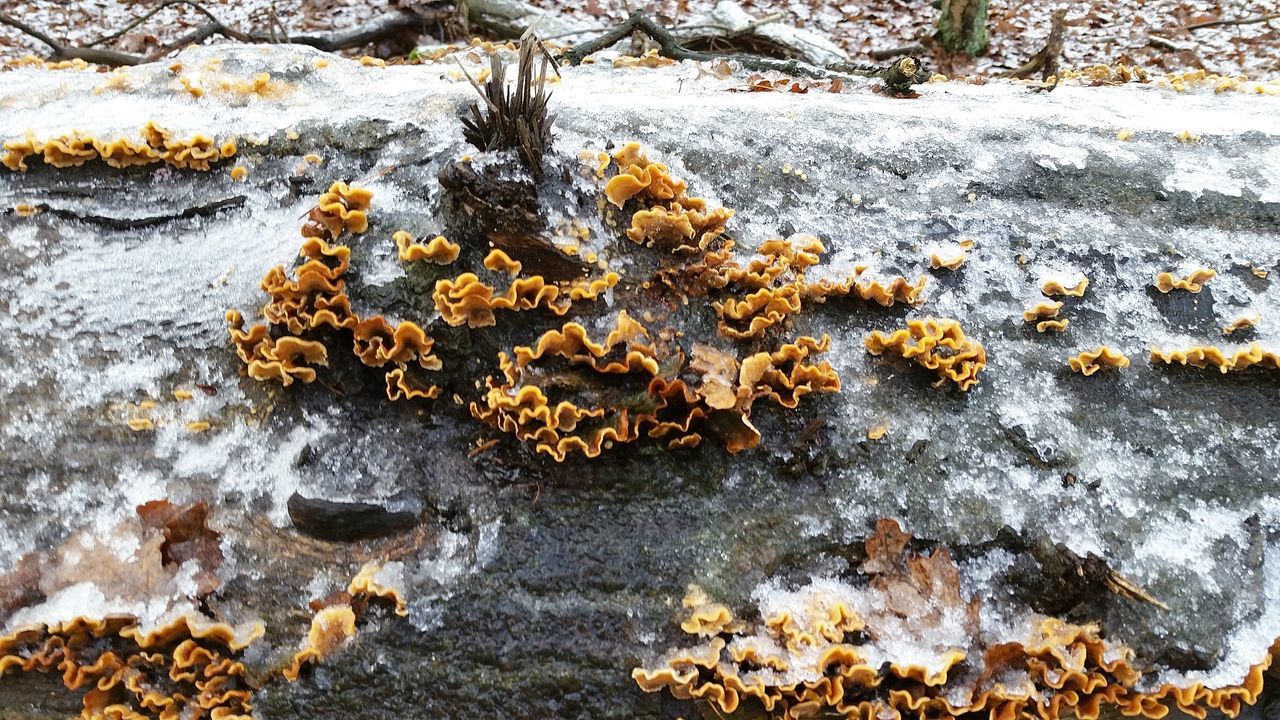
1059 287
771 287
1193 282
1091 361
1206 356
189 667
834 650
468 300
334 625
1045 316
437 250
938 344
649 397
197 152
1242 322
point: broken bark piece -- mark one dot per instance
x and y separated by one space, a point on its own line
344 521
1055 580
902 74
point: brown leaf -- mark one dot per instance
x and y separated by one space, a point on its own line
20 587
186 537
885 547
922 589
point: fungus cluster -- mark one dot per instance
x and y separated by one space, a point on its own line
938 344
1205 356
568 393
188 668
468 300
834 650
654 393
334 624
287 347
1045 316
177 663
669 219
771 287
197 152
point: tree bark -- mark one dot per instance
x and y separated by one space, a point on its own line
962 26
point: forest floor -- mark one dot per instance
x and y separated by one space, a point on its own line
1159 35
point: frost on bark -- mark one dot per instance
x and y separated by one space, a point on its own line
962 26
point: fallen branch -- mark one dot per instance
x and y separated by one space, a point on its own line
1239 21
669 47
886 53
68 52
386 26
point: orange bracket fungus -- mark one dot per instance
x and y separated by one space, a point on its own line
438 250
1205 356
841 650
334 625
659 405
315 299
938 344
1045 316
567 393
949 259
1091 361
187 668
671 220
197 152
178 663
1055 286
1242 322
1192 282
341 208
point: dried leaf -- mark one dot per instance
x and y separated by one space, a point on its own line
186 537
885 547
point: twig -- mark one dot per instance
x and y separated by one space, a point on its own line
1239 21
66 52
886 53
150 14
1046 61
669 47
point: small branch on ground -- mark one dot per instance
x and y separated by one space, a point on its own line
901 75
1239 21
1046 61
669 47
